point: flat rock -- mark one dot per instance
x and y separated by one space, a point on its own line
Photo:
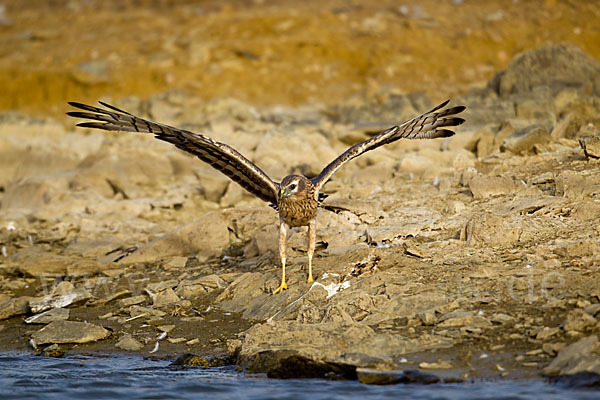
132 300
36 262
69 332
209 233
474 321
59 300
490 229
266 346
581 356
483 186
55 314
12 307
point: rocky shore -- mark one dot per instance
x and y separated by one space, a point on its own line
472 257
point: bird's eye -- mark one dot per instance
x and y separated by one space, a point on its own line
293 186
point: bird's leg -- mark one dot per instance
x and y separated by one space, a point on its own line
312 238
282 247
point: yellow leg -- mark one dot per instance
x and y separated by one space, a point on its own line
283 285
312 238
282 248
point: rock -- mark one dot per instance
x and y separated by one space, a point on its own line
554 65
36 262
193 360
581 356
524 140
209 233
282 347
12 307
501 318
91 72
578 380
473 321
55 314
436 365
489 229
69 332
590 146
483 186
547 333
166 297
376 377
130 301
592 309
575 185
127 342
578 320
58 300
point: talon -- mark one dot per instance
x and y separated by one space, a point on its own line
310 279
281 288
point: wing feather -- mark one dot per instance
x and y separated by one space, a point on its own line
218 155
429 125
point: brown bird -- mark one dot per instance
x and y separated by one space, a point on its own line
296 197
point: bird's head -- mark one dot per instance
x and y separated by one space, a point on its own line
292 185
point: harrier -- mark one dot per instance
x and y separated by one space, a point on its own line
296 197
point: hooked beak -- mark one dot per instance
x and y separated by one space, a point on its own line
283 192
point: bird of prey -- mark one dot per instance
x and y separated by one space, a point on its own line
296 197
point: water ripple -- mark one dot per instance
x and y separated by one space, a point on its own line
25 376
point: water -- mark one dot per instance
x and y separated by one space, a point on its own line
25 376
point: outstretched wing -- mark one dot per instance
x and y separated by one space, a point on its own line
429 125
218 155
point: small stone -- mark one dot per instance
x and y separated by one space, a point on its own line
530 364
128 343
501 318
58 300
176 262
165 328
578 320
55 314
164 298
427 318
547 333
436 365
156 287
590 146
472 321
130 301
69 332
192 342
177 340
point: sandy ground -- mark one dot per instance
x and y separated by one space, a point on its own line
471 257
269 52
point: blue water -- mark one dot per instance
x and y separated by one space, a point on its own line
25 376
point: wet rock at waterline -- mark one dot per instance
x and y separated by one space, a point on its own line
69 332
